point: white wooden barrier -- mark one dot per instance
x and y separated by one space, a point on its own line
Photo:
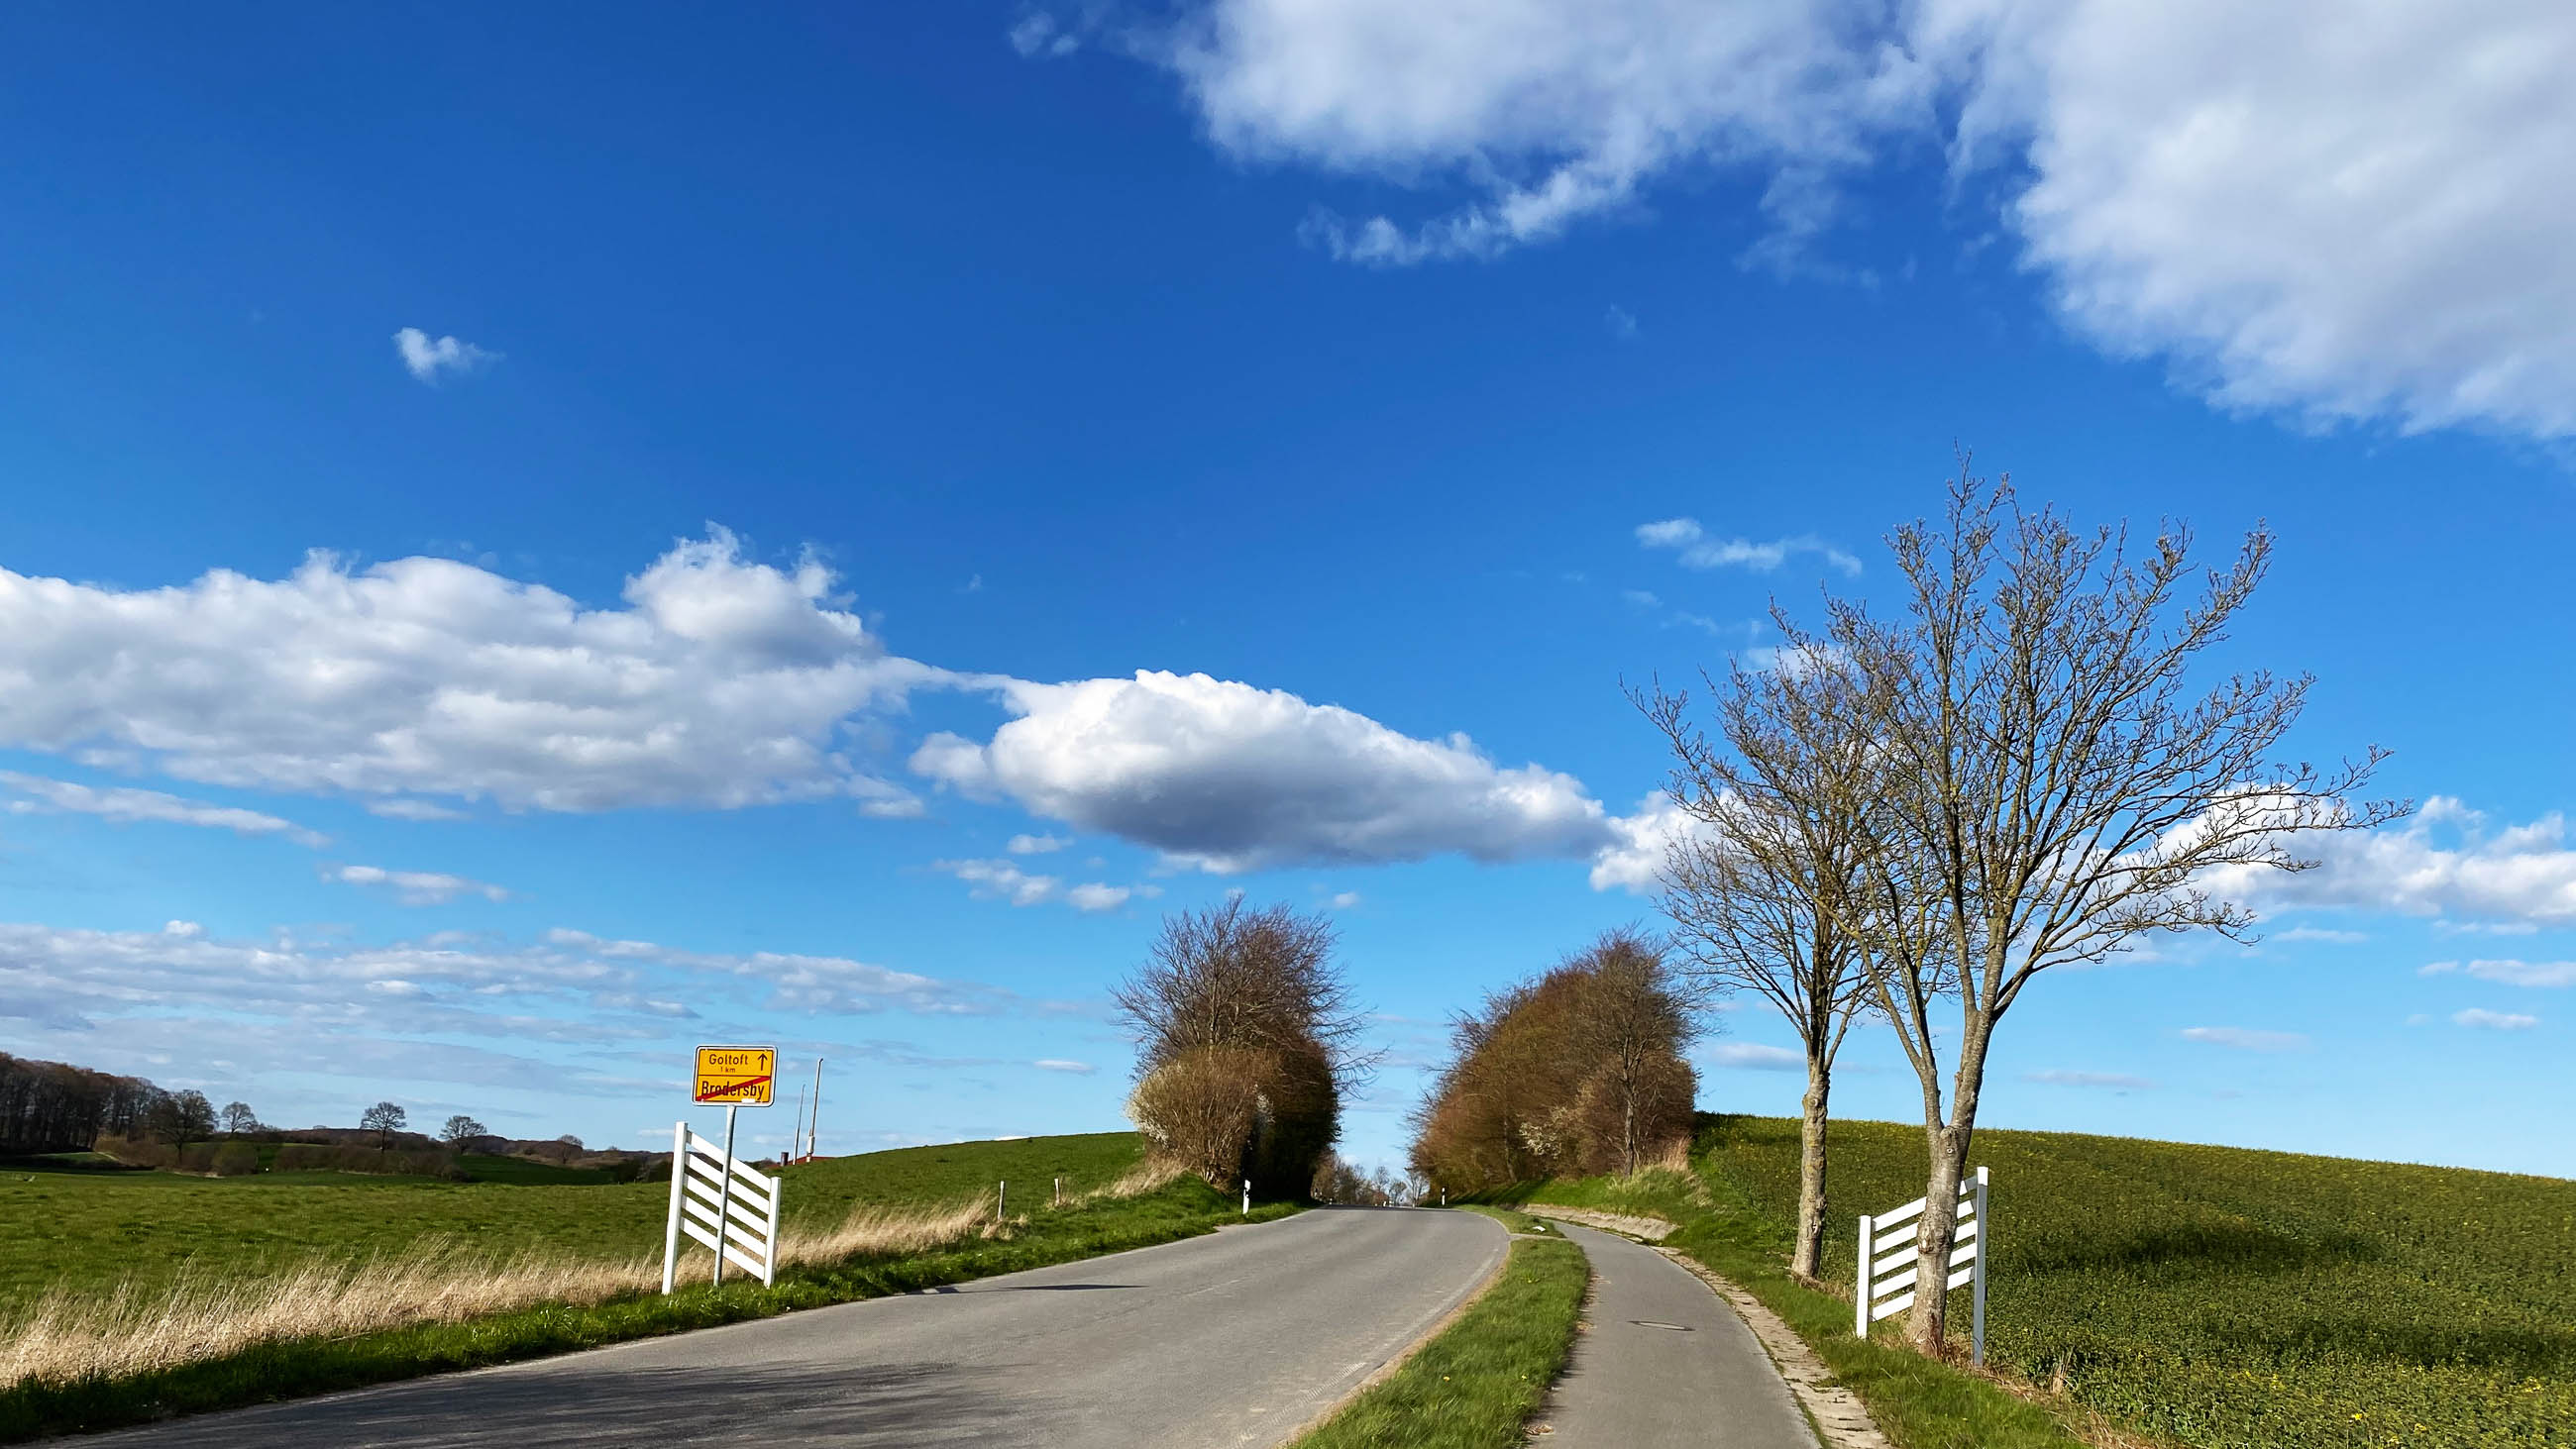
1887 1254
727 1207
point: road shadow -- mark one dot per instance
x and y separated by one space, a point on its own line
597 1403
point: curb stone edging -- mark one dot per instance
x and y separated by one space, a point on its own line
1838 1414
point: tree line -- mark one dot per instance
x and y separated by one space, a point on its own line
1907 819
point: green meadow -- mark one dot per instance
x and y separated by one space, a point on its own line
2213 1297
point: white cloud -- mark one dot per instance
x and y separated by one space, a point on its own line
1060 1064
2481 1019
1344 900
426 357
2511 973
2320 933
1698 550
2246 1040
1621 322
399 809
2345 209
127 805
2442 861
415 887
1002 880
2108 1081
570 986
1036 844
1038 36
1753 1056
1547 112
722 682
1228 778
1634 859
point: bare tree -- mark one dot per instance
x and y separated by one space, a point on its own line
1248 1038
384 1119
460 1129
1761 891
239 1119
181 1118
1632 1027
2050 787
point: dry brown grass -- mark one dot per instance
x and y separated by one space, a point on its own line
66 1337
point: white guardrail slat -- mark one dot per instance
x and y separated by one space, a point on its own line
726 1206
1887 1274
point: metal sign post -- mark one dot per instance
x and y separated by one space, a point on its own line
743 1225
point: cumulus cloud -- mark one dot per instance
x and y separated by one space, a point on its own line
427 357
2481 1019
1633 861
1228 777
2442 861
415 887
127 805
2342 210
1546 112
1036 844
2511 973
1698 550
721 682
2244 1040
2107 1081
1002 880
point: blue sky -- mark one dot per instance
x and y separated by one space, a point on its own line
535 539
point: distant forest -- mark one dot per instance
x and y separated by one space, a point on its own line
52 1107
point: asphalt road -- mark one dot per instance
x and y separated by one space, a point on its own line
1665 1364
1234 1339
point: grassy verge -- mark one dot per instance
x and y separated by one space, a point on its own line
1920 1403
296 1365
1474 1385
1519 1222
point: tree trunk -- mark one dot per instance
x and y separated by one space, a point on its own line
1927 1329
1628 1128
1807 1259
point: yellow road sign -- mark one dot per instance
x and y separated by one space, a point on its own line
736 1076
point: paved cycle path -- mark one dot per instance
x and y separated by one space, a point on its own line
1234 1339
1665 1364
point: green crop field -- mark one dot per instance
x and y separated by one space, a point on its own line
83 1230
2231 1299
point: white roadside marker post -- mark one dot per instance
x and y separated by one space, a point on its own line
1860 1296
679 1180
1985 1242
1247 1197
1002 1202
724 1194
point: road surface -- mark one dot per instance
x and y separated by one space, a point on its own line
1228 1340
1665 1363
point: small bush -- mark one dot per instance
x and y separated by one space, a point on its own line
236 1159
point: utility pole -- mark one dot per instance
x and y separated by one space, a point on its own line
814 1123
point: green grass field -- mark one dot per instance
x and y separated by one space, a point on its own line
2230 1299
91 1229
